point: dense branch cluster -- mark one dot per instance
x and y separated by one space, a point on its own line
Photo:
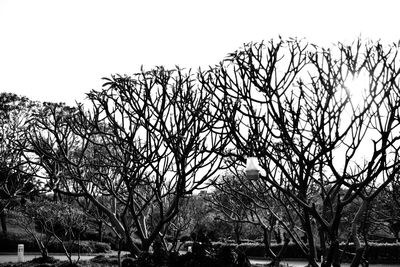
289 105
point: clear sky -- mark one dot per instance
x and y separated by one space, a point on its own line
53 50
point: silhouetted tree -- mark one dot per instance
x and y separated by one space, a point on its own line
290 105
145 144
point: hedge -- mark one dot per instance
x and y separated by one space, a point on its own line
9 243
377 252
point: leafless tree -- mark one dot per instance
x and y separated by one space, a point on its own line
290 105
145 144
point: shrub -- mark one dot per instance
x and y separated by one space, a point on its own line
9 243
376 253
48 260
90 235
222 245
105 261
100 247
124 246
226 256
82 247
128 262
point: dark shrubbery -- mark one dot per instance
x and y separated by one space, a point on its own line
377 252
102 260
128 262
42 260
202 255
114 243
10 243
82 247
258 249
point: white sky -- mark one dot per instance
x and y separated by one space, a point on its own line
53 50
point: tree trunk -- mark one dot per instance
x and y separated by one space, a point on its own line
359 249
267 243
237 233
3 222
332 258
119 252
44 252
277 234
133 248
357 258
100 230
322 243
286 241
43 249
276 258
312 249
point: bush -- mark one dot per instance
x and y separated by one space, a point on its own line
100 247
222 245
226 256
9 243
202 256
90 235
124 246
48 260
377 252
105 261
82 247
128 262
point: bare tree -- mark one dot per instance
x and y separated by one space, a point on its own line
290 105
145 144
